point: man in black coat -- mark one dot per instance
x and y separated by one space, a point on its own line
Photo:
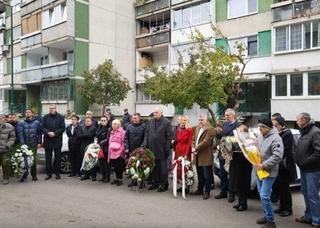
287 169
158 138
29 132
126 119
89 114
87 137
307 155
53 126
134 134
74 130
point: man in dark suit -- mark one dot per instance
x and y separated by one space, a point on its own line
158 138
53 127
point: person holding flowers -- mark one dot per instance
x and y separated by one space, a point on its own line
116 151
7 139
271 151
29 133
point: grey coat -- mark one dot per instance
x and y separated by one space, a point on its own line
7 137
271 150
158 137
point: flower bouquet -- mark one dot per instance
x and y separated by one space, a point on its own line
140 165
228 144
249 147
21 162
90 158
182 175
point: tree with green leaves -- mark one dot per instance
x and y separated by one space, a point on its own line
209 77
104 85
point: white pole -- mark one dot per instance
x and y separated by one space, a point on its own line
183 180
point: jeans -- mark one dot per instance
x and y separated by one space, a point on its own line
205 174
310 191
265 190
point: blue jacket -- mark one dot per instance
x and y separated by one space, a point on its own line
29 132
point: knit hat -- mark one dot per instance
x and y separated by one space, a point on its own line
280 120
266 121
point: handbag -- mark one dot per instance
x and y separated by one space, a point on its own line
101 154
114 146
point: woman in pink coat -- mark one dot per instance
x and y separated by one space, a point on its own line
116 151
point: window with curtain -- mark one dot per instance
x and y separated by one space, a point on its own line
307 35
295 36
316 34
281 38
296 85
314 83
281 85
252 46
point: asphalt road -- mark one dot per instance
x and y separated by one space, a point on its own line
70 202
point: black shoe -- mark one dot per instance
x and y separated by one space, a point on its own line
231 198
197 193
277 210
242 208
107 180
34 178
71 175
221 195
93 178
114 182
142 185
152 187
58 177
269 225
285 213
262 221
206 195
102 179
48 177
162 188
84 177
236 206
119 183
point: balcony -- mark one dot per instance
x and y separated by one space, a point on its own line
31 40
151 7
295 10
176 2
47 72
152 40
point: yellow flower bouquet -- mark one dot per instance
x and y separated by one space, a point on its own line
249 147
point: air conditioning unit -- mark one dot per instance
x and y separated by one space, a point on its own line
5 48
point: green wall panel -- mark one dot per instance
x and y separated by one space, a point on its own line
222 43
8 66
80 106
264 5
221 10
82 20
264 43
23 61
81 52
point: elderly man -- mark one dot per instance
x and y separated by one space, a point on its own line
7 139
308 160
158 139
203 155
53 127
89 114
271 150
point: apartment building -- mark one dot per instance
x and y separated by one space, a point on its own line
56 40
295 60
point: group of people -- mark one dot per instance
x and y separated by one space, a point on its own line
118 139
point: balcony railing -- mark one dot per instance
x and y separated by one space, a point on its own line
175 2
45 72
159 38
30 41
295 10
151 7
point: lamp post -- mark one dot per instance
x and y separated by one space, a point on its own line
3 6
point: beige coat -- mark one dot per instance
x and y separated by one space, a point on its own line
204 149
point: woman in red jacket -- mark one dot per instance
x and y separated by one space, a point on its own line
184 139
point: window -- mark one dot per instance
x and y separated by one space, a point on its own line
54 15
64 11
16 32
281 38
31 24
44 60
307 35
314 83
316 34
296 85
16 64
142 97
295 37
238 8
252 46
191 16
58 90
281 85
